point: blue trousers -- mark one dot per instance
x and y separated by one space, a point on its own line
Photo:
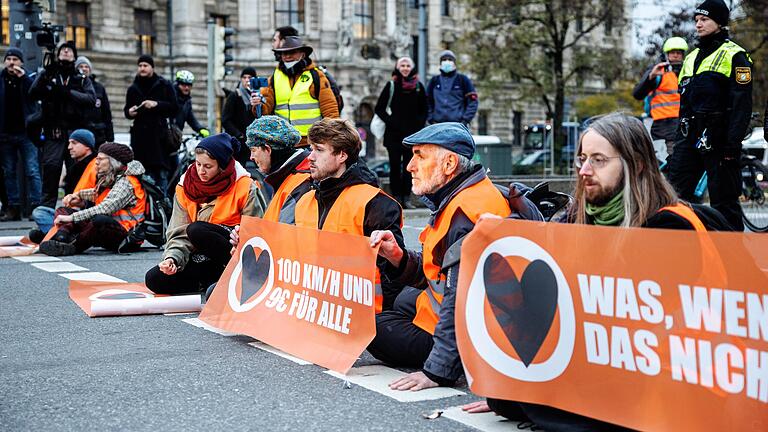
10 148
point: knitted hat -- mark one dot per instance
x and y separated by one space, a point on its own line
84 137
67 44
248 71
83 60
221 147
447 54
715 10
146 58
120 152
273 131
15 52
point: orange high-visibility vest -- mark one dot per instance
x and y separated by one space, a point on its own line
481 197
228 207
128 217
688 214
345 216
282 193
665 100
88 178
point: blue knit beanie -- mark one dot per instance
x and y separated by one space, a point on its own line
273 131
221 147
85 137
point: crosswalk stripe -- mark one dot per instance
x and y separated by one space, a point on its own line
58 267
486 422
198 323
36 258
378 377
268 348
90 277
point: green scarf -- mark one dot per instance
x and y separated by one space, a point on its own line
612 213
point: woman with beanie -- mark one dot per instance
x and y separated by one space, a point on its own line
211 197
103 215
402 106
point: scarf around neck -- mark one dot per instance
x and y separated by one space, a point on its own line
203 192
610 214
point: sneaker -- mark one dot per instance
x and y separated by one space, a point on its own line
57 248
36 235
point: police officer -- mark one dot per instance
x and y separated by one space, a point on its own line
659 87
715 109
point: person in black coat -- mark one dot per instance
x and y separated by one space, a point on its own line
236 115
404 115
150 102
100 117
66 97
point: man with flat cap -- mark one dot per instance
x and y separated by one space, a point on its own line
298 91
419 332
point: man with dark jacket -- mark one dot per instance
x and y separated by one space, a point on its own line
345 195
66 96
715 111
420 332
100 116
236 115
15 106
451 96
150 102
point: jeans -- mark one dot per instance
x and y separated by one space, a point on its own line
43 217
54 155
10 147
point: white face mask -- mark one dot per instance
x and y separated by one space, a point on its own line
289 65
447 66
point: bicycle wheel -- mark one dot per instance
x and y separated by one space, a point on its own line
753 197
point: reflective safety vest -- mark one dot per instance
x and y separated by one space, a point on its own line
665 100
276 210
720 61
228 207
296 104
88 178
688 214
345 216
482 197
128 217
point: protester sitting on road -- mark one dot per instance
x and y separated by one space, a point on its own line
211 197
104 215
419 332
345 195
81 175
272 141
619 185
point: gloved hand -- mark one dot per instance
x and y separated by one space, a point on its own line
204 133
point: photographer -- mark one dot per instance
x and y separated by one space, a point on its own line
66 97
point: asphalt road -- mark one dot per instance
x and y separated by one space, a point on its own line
64 371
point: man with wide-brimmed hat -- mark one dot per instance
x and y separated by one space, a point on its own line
298 91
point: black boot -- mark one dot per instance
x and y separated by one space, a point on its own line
12 214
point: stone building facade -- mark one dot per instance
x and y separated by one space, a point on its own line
358 41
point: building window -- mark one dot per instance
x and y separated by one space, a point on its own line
78 26
445 8
145 31
482 123
5 36
363 19
290 12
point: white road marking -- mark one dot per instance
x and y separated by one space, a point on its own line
90 277
198 323
270 349
180 313
58 267
36 258
486 422
378 377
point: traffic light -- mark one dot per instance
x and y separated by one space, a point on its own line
222 53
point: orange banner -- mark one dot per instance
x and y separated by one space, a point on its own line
122 298
647 328
309 293
11 246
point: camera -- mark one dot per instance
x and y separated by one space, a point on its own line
46 37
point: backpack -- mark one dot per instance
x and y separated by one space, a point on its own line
157 212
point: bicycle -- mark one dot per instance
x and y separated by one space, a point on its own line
754 185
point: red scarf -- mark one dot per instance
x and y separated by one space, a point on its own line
203 192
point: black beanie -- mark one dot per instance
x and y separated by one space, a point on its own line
146 58
67 44
221 147
716 10
248 71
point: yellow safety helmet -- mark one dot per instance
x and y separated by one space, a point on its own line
675 43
